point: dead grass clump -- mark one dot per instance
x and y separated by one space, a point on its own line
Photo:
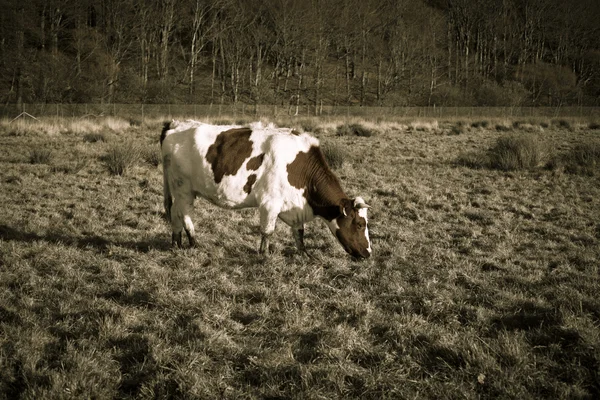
480 124
82 126
583 159
135 122
354 130
72 167
424 126
562 123
529 127
517 124
513 152
40 156
117 124
120 157
457 129
308 125
152 155
594 126
503 127
23 127
94 137
222 121
334 155
472 159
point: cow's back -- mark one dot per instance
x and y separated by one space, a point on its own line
234 166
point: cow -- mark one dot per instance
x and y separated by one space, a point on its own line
280 171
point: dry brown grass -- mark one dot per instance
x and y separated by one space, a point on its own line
483 283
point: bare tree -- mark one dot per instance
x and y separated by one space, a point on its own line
166 25
202 25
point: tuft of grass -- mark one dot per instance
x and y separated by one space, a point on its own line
354 129
594 126
583 159
222 121
503 127
423 126
120 157
513 152
562 123
94 137
473 159
457 129
73 167
480 124
14 179
308 125
117 124
334 154
39 155
152 155
135 122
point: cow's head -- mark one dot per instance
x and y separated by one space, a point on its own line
351 229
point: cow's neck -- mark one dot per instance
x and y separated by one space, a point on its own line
324 192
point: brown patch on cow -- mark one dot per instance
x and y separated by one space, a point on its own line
323 192
227 154
297 169
249 183
295 132
255 162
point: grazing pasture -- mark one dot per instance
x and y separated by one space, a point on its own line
483 283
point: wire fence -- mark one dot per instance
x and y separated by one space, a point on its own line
143 111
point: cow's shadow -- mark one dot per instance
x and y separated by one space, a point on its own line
102 244
96 242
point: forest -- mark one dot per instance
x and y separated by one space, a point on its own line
301 52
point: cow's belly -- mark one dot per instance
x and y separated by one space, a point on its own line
231 192
297 216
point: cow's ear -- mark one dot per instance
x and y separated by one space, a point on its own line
346 206
360 203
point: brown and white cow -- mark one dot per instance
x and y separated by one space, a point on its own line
280 171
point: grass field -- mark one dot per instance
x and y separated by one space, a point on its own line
484 282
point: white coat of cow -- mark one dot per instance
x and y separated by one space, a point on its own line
278 170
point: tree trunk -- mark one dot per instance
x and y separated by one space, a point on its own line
168 15
300 76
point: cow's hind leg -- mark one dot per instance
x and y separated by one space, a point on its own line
176 224
268 219
181 220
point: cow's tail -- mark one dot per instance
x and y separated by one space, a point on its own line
165 129
167 198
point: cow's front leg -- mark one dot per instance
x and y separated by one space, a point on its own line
298 231
268 219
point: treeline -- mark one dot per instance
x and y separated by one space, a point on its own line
302 52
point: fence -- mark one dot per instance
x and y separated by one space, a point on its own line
142 111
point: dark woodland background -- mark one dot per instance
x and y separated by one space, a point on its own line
309 52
